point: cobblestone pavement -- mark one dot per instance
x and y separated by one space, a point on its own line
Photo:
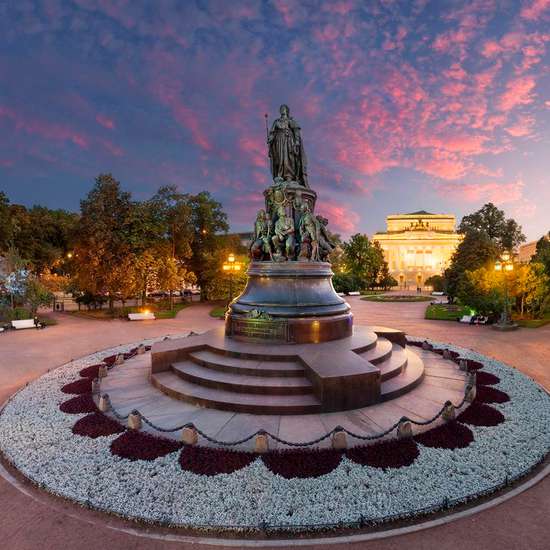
38 521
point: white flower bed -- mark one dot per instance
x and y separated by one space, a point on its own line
36 437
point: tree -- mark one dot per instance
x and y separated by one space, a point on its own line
491 222
475 250
531 286
363 259
208 220
385 279
345 282
102 240
542 254
36 295
6 228
437 282
481 289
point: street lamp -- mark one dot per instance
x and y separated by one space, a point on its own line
505 265
231 265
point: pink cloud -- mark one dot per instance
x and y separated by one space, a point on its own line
342 219
498 193
518 92
105 121
523 127
534 9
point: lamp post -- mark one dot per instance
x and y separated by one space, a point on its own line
231 265
505 265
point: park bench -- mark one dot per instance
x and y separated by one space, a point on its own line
143 316
354 293
466 319
25 323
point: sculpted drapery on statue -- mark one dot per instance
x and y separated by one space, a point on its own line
286 149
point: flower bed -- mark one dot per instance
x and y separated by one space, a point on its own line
62 443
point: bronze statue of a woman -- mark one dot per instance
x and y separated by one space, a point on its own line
286 149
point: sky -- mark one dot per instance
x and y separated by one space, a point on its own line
404 105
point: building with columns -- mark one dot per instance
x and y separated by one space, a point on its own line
418 245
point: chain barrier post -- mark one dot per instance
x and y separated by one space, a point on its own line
339 439
189 435
104 403
449 412
261 444
134 420
404 429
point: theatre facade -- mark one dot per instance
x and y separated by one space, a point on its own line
418 245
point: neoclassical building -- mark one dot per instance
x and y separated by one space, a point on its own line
418 245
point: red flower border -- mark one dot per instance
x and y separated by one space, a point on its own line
288 463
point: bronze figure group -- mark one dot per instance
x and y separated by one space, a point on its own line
288 230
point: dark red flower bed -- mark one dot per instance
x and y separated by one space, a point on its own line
210 462
147 348
486 379
479 414
486 394
302 463
91 371
84 385
416 344
97 424
451 435
474 365
136 445
129 355
110 360
394 453
79 404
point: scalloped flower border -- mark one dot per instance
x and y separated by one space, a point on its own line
141 476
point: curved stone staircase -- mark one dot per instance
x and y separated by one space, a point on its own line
212 371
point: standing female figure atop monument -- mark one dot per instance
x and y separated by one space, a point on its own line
286 149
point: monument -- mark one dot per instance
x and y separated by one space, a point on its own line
288 345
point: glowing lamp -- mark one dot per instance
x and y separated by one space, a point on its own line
509 267
505 256
498 266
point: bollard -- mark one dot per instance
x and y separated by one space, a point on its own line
95 385
404 429
339 440
104 403
189 435
102 371
134 420
141 349
470 394
447 354
119 359
425 345
463 364
261 444
449 412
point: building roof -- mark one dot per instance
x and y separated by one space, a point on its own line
420 213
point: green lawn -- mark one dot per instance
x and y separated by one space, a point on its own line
218 312
534 323
396 298
442 312
161 311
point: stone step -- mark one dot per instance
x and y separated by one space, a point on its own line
241 383
244 366
394 364
214 398
379 353
410 377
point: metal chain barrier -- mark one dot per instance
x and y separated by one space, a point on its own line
293 443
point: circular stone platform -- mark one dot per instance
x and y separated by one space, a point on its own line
58 440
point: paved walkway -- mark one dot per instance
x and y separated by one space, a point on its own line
39 521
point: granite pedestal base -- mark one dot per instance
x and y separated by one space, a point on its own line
212 370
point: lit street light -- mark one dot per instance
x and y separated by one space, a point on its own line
231 265
505 265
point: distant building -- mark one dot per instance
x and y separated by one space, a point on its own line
418 245
527 251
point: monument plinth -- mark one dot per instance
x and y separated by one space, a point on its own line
288 345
